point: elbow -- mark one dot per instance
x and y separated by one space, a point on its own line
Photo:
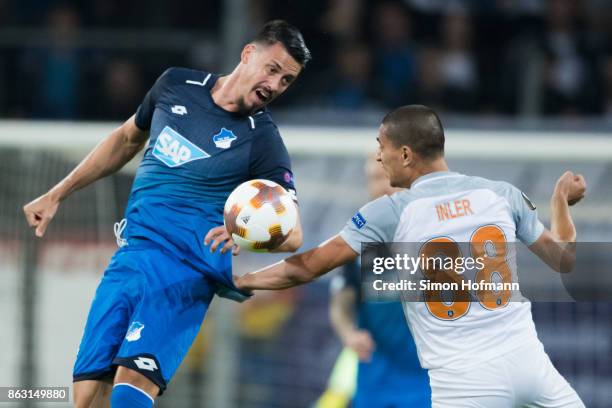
568 260
568 257
564 236
565 259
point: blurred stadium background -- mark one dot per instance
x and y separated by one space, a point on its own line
524 88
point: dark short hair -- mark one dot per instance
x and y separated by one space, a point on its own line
417 127
281 31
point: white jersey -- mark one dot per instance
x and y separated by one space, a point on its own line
456 208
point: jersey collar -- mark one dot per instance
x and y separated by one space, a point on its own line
433 176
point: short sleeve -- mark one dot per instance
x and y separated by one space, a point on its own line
528 226
144 114
270 159
374 222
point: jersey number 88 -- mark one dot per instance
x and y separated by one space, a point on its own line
488 243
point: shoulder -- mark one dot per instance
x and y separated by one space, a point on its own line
267 145
177 75
262 123
265 132
499 187
400 200
376 221
513 196
384 209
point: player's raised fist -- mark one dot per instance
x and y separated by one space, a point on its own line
40 212
571 186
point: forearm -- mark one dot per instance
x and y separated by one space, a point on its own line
300 268
111 154
342 314
561 223
293 271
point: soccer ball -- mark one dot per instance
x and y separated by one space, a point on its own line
259 215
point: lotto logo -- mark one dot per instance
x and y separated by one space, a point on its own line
145 363
179 109
174 150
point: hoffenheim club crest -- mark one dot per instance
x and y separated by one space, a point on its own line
224 139
133 332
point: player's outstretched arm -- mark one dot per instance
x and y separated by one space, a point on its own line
112 153
300 268
557 246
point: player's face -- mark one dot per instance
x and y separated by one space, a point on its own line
392 159
269 70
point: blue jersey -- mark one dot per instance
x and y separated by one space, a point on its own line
197 154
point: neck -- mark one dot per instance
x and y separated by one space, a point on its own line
225 92
428 167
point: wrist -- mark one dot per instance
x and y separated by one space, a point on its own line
56 194
241 283
63 189
347 334
560 194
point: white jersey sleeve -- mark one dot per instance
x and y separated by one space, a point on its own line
528 226
374 222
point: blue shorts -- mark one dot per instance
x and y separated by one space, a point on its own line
383 383
145 315
414 395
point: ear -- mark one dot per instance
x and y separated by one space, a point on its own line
247 52
407 156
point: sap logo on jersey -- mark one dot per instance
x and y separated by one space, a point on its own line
224 139
174 150
133 332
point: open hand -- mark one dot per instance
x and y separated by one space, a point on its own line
40 212
220 236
